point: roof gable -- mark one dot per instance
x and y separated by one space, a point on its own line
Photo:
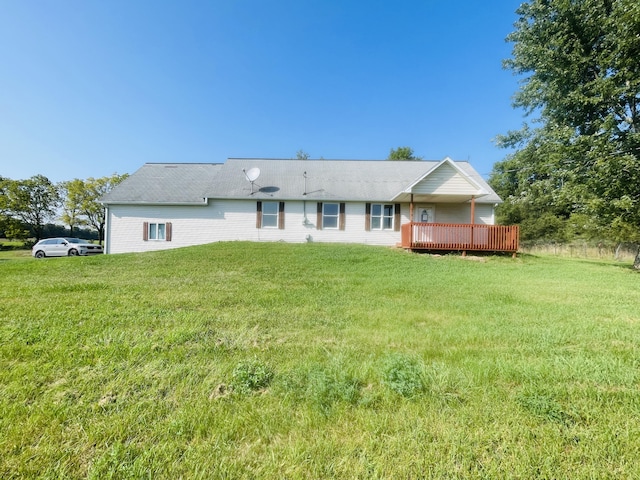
447 178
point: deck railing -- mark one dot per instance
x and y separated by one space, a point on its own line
460 237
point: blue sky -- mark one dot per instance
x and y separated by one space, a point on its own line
90 88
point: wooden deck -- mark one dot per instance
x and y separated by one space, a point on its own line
460 237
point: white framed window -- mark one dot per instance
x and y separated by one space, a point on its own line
157 231
330 215
382 216
269 214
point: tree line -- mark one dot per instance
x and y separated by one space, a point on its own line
575 170
28 207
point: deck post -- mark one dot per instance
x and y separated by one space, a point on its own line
473 209
411 209
473 216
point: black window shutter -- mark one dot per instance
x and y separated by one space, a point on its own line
259 214
319 219
367 217
145 231
281 216
167 232
396 220
341 219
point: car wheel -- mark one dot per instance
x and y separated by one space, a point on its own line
40 254
73 252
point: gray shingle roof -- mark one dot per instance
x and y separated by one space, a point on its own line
338 180
170 183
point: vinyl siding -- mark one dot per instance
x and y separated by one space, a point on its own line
233 220
461 213
485 213
445 180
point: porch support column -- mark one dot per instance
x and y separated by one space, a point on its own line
411 222
473 216
411 209
473 210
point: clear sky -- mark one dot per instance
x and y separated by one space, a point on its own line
89 88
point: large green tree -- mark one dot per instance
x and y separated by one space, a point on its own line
73 193
580 155
33 202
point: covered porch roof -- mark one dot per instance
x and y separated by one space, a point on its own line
446 182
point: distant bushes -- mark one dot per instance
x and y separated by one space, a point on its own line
49 230
582 249
15 245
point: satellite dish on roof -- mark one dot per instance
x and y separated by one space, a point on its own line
252 175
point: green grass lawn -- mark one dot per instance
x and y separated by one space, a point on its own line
270 360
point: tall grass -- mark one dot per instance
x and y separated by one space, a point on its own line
240 360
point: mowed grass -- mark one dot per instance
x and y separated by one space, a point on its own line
243 360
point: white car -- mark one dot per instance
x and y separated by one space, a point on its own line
62 247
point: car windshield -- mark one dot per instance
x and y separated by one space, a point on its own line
74 240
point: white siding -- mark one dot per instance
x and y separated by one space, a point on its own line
445 180
461 213
453 213
230 220
485 213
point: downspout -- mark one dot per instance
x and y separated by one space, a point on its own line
305 220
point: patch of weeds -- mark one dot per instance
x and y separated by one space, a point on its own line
328 387
403 375
324 386
444 384
250 376
546 407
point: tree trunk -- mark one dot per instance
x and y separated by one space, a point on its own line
636 262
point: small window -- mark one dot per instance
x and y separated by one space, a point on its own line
269 214
156 231
382 216
330 215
